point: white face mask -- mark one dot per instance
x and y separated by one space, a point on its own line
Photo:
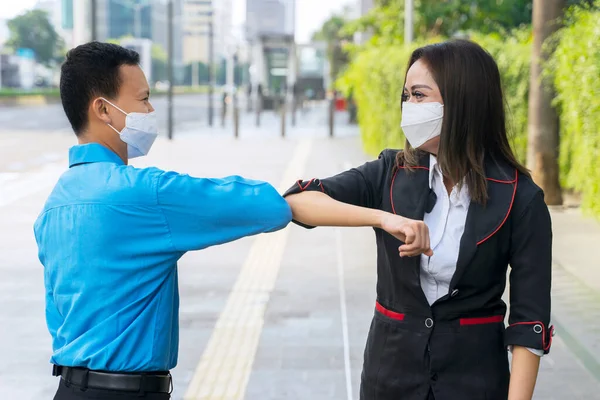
421 122
140 132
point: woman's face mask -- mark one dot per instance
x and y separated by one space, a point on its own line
421 122
140 131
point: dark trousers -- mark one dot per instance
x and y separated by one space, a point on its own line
73 392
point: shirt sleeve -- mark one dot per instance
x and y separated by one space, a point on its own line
361 186
539 353
530 278
203 212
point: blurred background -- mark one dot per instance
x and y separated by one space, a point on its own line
281 90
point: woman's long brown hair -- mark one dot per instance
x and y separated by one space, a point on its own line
474 124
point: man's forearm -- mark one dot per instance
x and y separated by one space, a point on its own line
525 366
318 209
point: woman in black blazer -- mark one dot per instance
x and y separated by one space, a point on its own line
450 213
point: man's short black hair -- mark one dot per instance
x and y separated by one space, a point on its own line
91 70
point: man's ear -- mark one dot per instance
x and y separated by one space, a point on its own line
100 110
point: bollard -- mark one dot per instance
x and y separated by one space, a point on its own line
259 106
331 116
236 122
224 110
283 109
294 107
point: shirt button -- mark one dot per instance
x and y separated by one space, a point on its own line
429 323
434 377
454 293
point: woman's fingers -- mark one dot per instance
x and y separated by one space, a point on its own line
417 240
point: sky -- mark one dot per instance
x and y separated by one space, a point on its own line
10 8
310 14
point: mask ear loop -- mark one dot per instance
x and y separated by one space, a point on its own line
112 127
102 98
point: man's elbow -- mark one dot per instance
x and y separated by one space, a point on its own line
275 213
279 215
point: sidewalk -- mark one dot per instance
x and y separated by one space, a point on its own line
278 316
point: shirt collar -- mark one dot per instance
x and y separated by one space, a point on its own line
434 170
92 153
433 167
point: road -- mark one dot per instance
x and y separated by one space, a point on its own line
279 316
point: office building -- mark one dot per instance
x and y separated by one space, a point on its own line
270 17
197 16
115 19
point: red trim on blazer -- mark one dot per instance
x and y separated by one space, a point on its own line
463 321
512 201
482 321
392 186
545 346
299 183
389 313
514 181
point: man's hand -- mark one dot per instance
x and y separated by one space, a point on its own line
414 234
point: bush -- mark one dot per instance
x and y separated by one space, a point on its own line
376 78
575 67
376 75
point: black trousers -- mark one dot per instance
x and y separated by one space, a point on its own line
73 392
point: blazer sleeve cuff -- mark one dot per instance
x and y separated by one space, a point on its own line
531 334
313 185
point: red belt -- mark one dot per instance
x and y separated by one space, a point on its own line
463 321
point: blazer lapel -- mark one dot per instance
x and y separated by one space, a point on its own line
409 191
484 221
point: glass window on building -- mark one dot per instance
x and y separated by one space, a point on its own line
125 18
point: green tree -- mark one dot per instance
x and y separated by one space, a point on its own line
445 18
333 35
159 63
33 30
543 143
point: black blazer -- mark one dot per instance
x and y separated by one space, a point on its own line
457 346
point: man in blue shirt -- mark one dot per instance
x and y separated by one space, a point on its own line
110 235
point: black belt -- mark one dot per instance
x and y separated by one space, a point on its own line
142 382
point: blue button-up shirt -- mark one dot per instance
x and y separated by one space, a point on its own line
110 236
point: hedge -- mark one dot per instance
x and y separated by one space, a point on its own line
575 67
376 76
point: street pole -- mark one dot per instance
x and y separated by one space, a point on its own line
408 21
93 16
170 68
211 61
236 120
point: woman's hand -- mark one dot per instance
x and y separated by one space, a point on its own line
318 209
414 234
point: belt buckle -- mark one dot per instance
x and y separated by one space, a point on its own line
170 383
56 370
